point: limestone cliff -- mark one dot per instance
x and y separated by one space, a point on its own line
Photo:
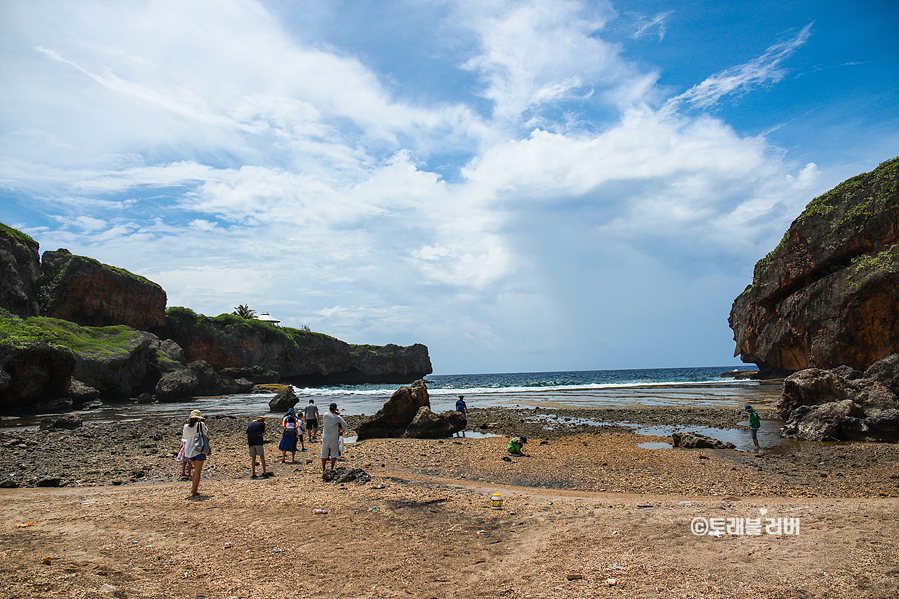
828 294
84 291
300 357
20 269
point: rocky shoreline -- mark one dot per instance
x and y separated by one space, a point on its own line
143 451
421 523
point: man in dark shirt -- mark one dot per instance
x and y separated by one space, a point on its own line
256 439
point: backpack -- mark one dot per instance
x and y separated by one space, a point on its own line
290 427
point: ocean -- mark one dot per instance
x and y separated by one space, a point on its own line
653 387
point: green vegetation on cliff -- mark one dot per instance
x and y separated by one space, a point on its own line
20 332
94 341
18 235
238 325
860 196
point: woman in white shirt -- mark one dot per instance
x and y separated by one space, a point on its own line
195 423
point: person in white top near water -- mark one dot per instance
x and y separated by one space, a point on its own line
333 426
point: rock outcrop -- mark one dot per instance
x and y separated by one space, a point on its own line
431 425
84 291
20 270
827 295
842 404
119 362
397 414
300 357
32 373
283 400
122 344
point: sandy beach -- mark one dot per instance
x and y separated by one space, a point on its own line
590 513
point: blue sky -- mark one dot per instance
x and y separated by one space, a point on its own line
519 185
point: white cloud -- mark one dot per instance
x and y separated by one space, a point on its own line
760 71
645 25
205 145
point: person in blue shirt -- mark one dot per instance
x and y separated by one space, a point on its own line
461 407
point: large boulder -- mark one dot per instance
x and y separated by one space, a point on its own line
825 405
283 400
20 270
430 425
31 373
89 293
397 413
826 295
811 386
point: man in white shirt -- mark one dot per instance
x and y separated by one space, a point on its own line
333 426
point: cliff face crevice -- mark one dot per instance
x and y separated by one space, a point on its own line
827 294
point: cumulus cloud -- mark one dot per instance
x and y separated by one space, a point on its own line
211 148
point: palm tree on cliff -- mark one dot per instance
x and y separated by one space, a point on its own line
244 311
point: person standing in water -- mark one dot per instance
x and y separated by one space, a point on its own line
755 423
461 407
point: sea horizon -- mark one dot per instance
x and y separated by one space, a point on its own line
700 386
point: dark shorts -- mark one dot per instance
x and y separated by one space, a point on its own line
754 432
311 423
200 457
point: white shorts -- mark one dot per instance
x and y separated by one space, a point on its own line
330 450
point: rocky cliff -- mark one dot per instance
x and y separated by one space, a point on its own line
20 269
300 357
828 294
105 334
90 293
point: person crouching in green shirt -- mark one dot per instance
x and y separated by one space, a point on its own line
515 445
755 423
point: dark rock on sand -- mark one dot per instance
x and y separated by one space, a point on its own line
826 295
284 399
346 475
49 481
81 394
397 413
430 425
690 440
65 421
